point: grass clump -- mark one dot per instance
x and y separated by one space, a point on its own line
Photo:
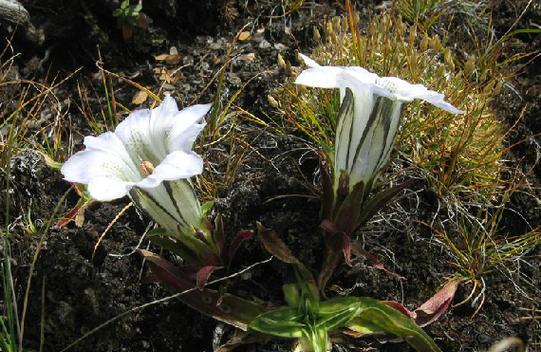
479 246
463 153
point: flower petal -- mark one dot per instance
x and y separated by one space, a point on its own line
134 132
308 61
107 188
363 104
168 106
396 88
85 165
177 165
320 77
109 143
188 124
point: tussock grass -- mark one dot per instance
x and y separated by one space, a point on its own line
479 247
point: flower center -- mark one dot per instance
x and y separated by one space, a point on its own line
146 167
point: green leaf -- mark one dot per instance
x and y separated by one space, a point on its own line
316 339
291 294
282 322
160 238
375 316
206 207
337 312
378 201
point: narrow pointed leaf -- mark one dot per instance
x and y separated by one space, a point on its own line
380 200
438 304
223 307
332 259
203 275
358 250
282 322
337 312
218 233
236 242
159 237
317 339
275 246
327 195
378 316
349 212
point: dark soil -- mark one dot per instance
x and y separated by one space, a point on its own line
83 290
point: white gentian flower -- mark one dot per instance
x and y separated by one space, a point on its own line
369 115
144 157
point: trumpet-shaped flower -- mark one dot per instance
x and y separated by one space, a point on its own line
369 115
150 157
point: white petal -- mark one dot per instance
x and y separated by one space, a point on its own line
396 88
177 165
188 124
320 77
361 74
363 95
104 189
162 120
308 61
75 168
134 132
109 143
168 106
86 165
194 113
440 102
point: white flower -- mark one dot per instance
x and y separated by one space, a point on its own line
161 138
149 156
369 115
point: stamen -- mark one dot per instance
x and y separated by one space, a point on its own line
146 167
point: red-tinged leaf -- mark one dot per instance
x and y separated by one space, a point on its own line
438 304
332 259
223 307
236 242
75 214
335 249
431 310
167 272
401 308
203 275
275 246
358 250
349 212
346 248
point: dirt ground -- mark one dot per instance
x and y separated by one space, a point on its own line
82 291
